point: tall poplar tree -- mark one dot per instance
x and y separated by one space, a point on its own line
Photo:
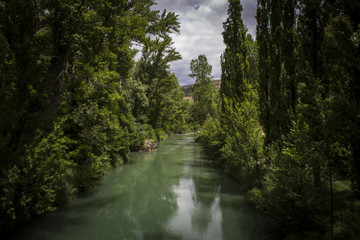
277 80
263 38
233 60
241 150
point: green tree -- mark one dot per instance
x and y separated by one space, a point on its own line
277 56
305 157
236 137
66 71
204 92
158 84
234 63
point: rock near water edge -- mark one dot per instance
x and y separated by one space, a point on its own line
148 146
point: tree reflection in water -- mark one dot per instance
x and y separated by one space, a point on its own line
174 193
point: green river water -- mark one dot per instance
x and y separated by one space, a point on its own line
174 193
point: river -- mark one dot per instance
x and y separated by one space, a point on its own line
174 193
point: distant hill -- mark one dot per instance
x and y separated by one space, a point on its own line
187 89
217 84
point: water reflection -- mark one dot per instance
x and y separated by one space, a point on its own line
174 193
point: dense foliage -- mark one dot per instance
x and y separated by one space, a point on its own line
289 123
204 93
73 102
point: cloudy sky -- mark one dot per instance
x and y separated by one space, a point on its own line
201 31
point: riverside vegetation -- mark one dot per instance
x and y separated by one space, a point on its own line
74 101
289 121
285 122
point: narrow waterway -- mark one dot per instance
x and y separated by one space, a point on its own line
174 193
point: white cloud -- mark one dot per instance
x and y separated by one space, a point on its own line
201 31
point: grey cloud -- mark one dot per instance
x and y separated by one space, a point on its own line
181 69
201 31
249 14
178 6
